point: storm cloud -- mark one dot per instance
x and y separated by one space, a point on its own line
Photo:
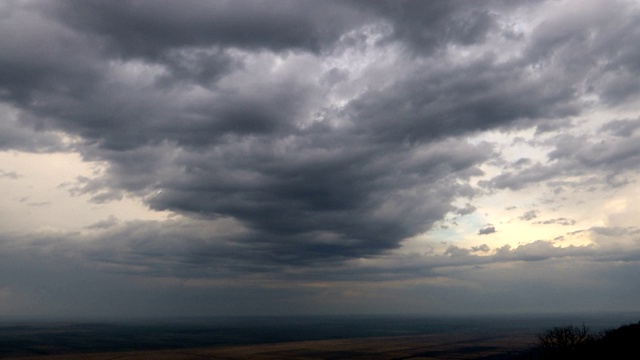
287 138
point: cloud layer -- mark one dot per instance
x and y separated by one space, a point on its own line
298 140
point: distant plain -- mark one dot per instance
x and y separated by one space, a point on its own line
292 337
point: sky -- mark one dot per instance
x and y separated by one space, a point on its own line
199 158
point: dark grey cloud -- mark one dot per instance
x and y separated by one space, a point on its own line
590 153
187 106
486 230
455 251
177 268
428 27
466 210
520 163
531 214
151 28
15 135
560 221
186 249
622 128
586 45
100 193
557 125
592 159
443 100
615 231
104 224
327 202
481 248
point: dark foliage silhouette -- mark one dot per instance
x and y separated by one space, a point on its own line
576 342
564 340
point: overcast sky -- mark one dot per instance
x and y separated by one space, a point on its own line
169 158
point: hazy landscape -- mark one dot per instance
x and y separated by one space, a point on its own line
374 337
319 179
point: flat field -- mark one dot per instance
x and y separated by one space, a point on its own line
440 346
